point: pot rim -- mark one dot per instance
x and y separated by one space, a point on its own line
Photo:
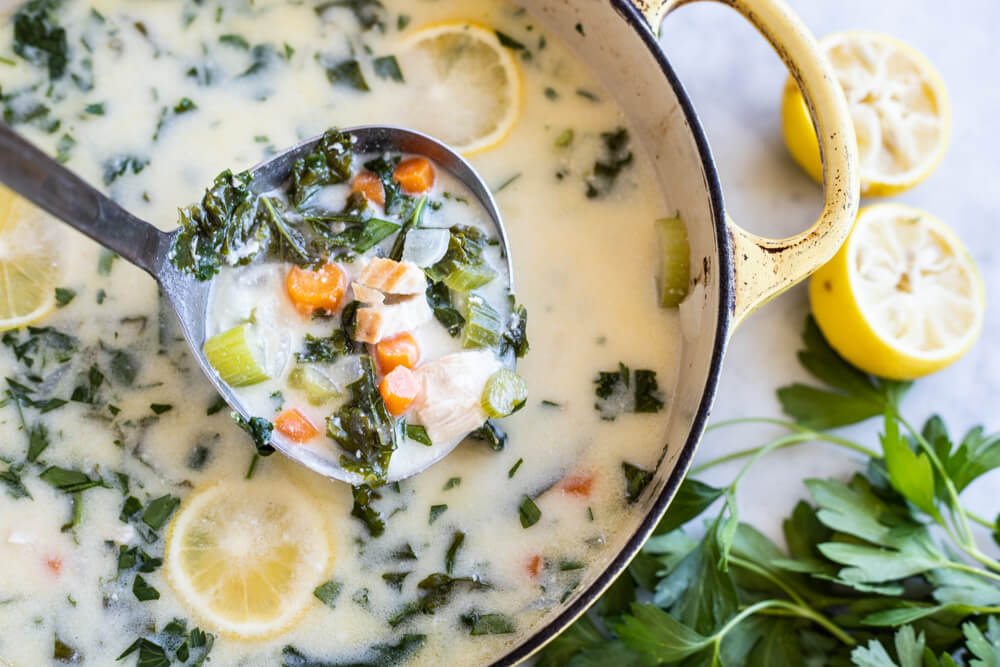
540 637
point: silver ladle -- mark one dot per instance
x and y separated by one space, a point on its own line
43 181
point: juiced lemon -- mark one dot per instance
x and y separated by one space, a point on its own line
29 261
902 298
899 105
246 557
462 61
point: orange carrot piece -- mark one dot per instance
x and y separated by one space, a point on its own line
534 566
399 389
415 174
370 185
54 564
310 290
401 350
577 484
295 426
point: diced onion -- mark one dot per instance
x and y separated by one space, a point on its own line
425 247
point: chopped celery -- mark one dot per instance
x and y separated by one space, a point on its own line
236 356
482 324
675 261
318 387
505 393
467 277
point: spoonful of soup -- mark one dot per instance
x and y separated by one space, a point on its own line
351 298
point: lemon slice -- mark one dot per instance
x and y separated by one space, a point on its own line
899 105
902 298
469 85
246 557
29 261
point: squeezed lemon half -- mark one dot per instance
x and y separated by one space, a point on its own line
902 298
245 557
899 106
470 85
29 261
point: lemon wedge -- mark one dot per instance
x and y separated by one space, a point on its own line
902 298
461 61
245 557
899 106
29 261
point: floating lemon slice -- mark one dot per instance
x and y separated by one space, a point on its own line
470 85
29 261
902 298
246 557
899 105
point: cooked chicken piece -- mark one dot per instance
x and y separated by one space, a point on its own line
450 404
378 319
393 277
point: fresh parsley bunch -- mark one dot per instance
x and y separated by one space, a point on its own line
882 570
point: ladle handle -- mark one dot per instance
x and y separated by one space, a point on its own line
35 176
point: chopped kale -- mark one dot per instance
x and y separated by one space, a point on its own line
63 296
86 391
104 262
364 236
636 481
606 170
69 481
160 408
143 591
452 483
647 397
64 147
387 67
38 441
465 250
491 434
418 433
328 164
96 109
236 41
328 592
435 591
436 511
439 298
513 468
364 495
260 430
457 540
124 367
261 57
488 624
402 21
383 167
364 429
347 73
369 13
42 345
38 37
118 165
379 655
515 337
323 350
11 480
395 580
508 41
159 510
405 552
63 652
217 406
528 512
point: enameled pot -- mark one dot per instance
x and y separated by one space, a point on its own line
733 271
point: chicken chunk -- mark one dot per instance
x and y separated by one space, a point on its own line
378 319
393 277
450 403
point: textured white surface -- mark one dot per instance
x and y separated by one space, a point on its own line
735 81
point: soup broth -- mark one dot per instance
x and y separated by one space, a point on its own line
157 98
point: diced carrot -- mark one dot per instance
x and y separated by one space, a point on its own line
577 484
415 174
401 350
399 389
54 564
370 185
534 566
295 426
310 290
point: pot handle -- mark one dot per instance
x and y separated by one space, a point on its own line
764 268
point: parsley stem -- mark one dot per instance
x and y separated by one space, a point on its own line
805 435
798 610
975 570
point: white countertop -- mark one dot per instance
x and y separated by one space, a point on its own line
735 81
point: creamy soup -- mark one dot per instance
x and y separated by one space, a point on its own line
107 423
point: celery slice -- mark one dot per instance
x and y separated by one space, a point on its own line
482 324
467 277
505 393
318 387
675 261
236 356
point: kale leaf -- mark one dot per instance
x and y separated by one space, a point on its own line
38 37
364 428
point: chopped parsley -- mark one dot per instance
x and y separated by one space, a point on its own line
528 512
328 592
436 511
